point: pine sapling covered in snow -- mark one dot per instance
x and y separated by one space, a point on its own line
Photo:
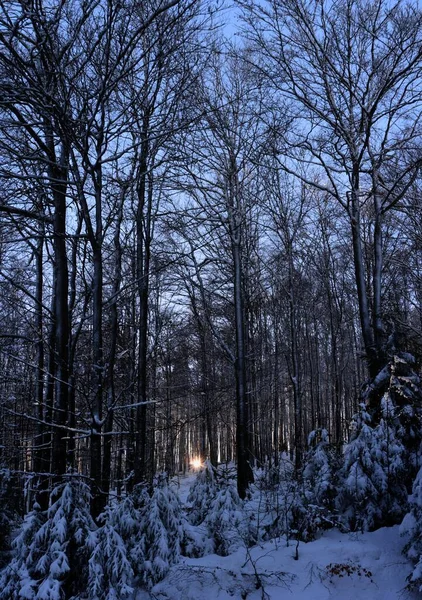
312 498
156 542
358 499
18 579
127 518
202 493
303 519
196 541
405 395
119 553
390 454
226 521
399 381
320 470
372 493
162 531
110 572
65 541
53 548
412 527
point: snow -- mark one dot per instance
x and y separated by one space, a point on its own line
136 553
182 484
338 566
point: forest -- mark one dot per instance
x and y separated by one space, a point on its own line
210 259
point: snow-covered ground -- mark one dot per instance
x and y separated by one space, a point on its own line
337 566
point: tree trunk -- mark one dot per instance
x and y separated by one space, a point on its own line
141 409
39 374
106 465
377 276
362 291
99 499
143 257
61 383
244 470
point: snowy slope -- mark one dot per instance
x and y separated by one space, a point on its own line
337 566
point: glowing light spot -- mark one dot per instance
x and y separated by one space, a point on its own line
196 463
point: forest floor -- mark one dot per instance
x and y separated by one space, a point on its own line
338 566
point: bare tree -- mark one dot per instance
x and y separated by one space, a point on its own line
222 194
349 76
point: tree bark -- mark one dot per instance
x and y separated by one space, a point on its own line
58 176
143 257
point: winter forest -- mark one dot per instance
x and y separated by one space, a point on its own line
210 299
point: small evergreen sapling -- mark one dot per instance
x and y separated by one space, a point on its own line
18 580
52 548
400 383
391 456
372 493
312 499
127 517
110 572
66 541
358 500
412 527
162 531
156 543
226 520
202 493
405 395
319 473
